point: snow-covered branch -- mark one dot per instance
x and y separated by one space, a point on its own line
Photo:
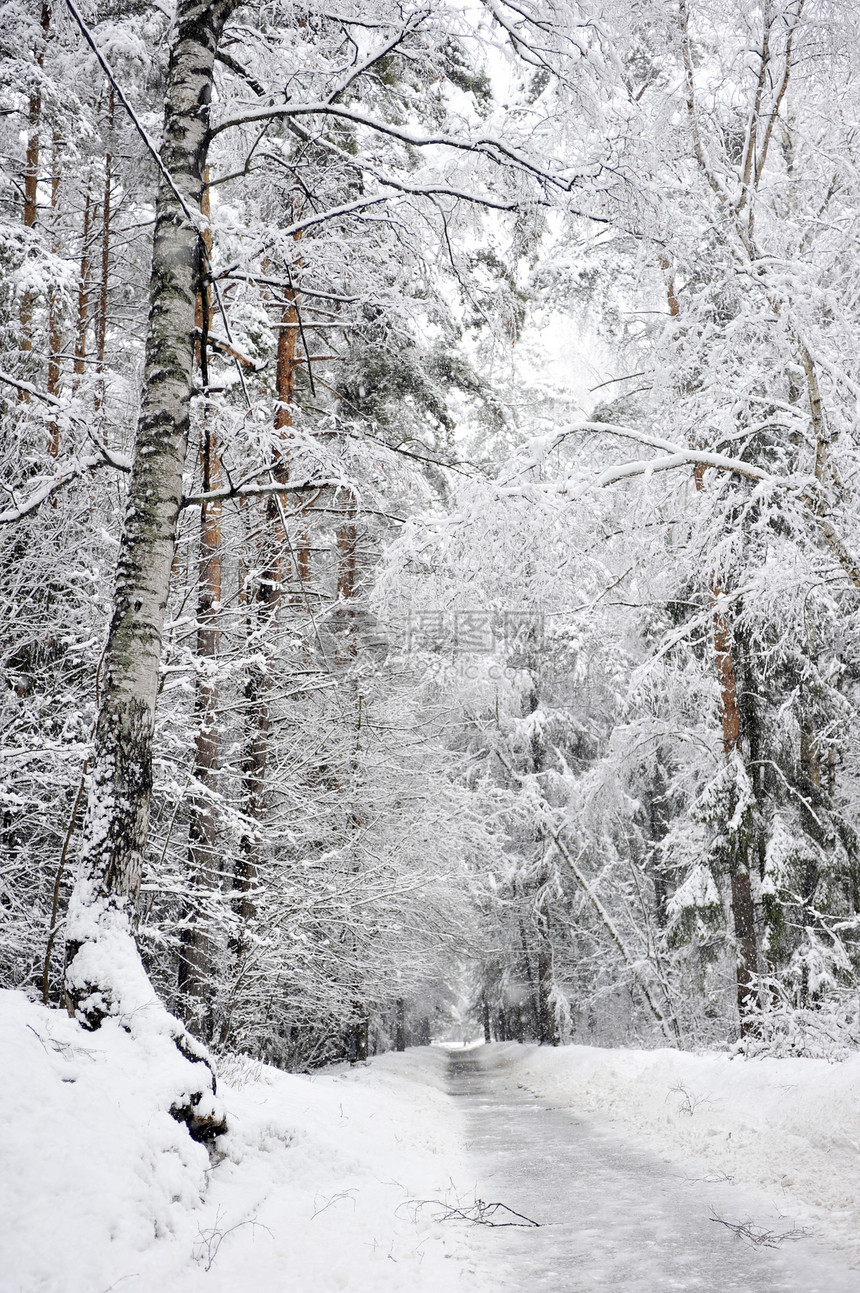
260 491
674 455
494 147
50 485
27 388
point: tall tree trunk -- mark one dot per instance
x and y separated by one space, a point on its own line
485 1018
354 812
285 372
84 288
105 974
261 615
400 1025
101 315
195 964
287 368
743 909
347 581
55 340
547 1025
31 173
262 611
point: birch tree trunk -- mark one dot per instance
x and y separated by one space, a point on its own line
105 974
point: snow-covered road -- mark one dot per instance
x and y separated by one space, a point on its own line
349 1180
613 1216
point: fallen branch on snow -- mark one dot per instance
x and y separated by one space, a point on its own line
759 1236
479 1214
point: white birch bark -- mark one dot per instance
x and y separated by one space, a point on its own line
105 974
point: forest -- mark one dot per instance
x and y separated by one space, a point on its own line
430 576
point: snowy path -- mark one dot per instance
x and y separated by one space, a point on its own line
612 1217
343 1181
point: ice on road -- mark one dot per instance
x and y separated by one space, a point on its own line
612 1216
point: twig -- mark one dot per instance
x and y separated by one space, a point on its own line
479 1214
211 1240
759 1236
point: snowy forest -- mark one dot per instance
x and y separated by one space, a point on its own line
430 576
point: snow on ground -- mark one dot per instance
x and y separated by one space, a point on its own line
100 1189
791 1126
319 1183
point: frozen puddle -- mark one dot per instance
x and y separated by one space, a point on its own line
612 1216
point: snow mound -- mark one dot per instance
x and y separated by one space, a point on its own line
317 1185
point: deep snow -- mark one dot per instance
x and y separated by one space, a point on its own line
100 1189
322 1181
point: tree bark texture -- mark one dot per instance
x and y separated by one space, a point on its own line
84 289
104 968
743 908
101 317
400 1025
262 612
31 172
195 963
55 340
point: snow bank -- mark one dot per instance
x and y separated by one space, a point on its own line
791 1126
94 1168
316 1188
320 1182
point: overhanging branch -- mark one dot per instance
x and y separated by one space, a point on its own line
806 489
255 491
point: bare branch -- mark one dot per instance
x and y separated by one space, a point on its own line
239 70
257 491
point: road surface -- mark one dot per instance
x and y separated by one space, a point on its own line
612 1216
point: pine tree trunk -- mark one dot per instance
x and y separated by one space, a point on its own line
104 972
55 340
254 771
743 909
261 615
31 175
285 373
84 289
101 316
287 367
